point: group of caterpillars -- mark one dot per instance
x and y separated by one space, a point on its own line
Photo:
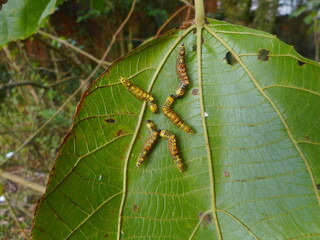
167 111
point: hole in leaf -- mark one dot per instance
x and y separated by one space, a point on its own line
110 120
194 31
206 21
194 47
263 55
231 60
318 186
301 63
195 91
202 39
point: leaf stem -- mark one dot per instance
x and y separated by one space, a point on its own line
199 9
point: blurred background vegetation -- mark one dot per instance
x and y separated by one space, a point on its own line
42 77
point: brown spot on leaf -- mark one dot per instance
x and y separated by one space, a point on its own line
202 39
206 219
110 120
119 133
195 91
106 236
263 55
226 174
231 60
134 207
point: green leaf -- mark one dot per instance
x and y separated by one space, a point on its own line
19 19
252 165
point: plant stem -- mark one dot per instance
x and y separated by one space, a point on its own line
199 12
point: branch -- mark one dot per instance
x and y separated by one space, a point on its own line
14 216
64 42
61 53
18 84
169 19
23 182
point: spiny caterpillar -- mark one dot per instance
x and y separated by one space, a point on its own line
173 116
139 93
173 149
150 141
182 71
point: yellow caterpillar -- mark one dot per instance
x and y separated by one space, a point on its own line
173 149
150 141
139 93
173 116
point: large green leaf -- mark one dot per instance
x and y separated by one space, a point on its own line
252 165
21 18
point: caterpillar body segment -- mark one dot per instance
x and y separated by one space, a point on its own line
173 117
169 101
140 93
173 149
181 90
148 144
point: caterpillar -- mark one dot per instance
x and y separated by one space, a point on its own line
182 71
173 116
139 93
173 149
181 66
150 141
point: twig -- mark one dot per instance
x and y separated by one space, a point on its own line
15 217
64 42
18 84
61 53
78 90
62 81
14 178
169 19
189 11
187 3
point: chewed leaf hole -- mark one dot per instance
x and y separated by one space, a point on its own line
318 186
231 60
263 55
301 63
110 120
